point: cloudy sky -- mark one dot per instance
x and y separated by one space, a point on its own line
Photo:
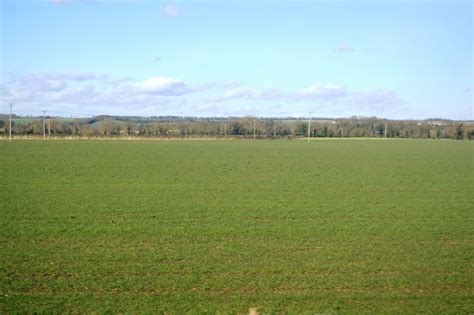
387 58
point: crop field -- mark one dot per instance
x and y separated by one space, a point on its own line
334 226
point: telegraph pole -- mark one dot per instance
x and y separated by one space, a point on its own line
49 128
10 130
225 130
44 124
385 130
154 133
184 127
309 126
254 129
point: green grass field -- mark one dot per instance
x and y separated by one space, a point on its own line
334 226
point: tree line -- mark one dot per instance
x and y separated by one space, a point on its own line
243 127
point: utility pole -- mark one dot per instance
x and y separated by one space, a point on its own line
274 130
44 124
184 127
154 133
10 130
254 129
309 126
49 128
385 130
225 130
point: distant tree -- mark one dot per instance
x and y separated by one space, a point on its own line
325 131
302 129
470 134
237 128
457 132
142 129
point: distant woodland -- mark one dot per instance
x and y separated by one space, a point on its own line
234 127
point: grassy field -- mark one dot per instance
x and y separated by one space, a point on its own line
336 226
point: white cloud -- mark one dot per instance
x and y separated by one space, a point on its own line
323 91
251 93
59 2
322 94
237 92
220 85
375 98
93 94
71 76
336 99
34 84
75 76
170 10
162 86
344 48
339 98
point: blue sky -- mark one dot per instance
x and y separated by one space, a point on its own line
393 59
